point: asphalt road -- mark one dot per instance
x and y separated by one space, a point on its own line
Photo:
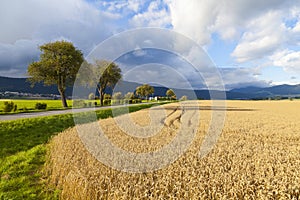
54 112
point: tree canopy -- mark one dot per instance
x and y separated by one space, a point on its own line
129 95
144 90
117 96
58 65
170 93
108 74
100 74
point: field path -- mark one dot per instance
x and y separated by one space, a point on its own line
55 112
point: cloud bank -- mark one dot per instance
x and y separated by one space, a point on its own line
262 32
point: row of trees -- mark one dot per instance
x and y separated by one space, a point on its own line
142 91
59 65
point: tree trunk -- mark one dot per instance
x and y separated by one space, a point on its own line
63 97
101 94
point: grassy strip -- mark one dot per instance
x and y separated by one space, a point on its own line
30 103
23 149
21 175
28 106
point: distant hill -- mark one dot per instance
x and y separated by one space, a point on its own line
21 85
279 90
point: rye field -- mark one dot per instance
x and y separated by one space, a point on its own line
256 156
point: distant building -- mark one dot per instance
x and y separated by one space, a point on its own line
153 98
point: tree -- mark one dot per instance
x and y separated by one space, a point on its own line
144 90
91 96
170 93
58 65
183 98
101 73
129 95
107 96
109 74
117 96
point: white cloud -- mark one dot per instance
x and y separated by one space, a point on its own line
199 18
264 35
193 18
138 52
154 16
289 60
258 26
124 7
135 5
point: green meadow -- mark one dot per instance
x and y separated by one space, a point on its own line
28 105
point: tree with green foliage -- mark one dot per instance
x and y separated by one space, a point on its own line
129 95
144 90
183 98
107 96
108 74
171 94
91 96
58 65
100 74
117 96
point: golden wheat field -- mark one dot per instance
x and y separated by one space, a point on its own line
257 155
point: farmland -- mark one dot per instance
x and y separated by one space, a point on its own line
23 150
256 157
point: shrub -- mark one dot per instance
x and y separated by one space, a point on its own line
136 101
127 101
40 106
23 109
163 98
8 106
116 102
91 96
183 98
78 103
129 95
106 102
117 96
107 96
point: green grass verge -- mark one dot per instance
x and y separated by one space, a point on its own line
30 103
23 149
26 105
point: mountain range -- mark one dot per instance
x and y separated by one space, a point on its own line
284 91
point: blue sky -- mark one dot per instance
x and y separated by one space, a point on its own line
251 42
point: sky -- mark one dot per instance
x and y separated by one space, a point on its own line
250 42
